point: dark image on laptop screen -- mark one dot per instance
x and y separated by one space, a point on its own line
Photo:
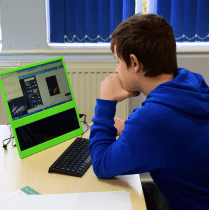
52 85
46 129
18 107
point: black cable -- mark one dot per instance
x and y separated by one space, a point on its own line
88 127
11 137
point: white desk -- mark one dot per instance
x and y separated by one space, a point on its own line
32 171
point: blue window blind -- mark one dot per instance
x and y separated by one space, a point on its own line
83 21
189 18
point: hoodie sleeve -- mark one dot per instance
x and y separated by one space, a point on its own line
137 150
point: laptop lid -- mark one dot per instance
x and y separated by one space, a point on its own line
41 105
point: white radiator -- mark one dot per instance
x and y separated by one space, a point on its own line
85 78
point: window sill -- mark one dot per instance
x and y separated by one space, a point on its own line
196 47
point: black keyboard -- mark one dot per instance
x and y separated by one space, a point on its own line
75 160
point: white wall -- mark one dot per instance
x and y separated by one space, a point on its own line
23 25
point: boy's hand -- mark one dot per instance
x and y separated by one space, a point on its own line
112 89
119 125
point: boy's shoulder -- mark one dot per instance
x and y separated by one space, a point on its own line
153 112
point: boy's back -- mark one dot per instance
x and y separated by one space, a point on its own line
177 112
169 135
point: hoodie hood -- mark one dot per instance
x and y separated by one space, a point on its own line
187 92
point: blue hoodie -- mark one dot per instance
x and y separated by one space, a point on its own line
168 136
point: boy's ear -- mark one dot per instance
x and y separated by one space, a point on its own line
134 60
136 63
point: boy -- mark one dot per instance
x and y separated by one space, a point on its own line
169 135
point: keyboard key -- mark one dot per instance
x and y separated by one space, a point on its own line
88 159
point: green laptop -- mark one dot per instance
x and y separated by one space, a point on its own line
40 104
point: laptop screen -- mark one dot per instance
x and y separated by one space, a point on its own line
40 104
35 89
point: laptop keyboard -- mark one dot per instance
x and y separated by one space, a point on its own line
75 160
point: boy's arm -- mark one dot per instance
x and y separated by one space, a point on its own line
135 151
119 125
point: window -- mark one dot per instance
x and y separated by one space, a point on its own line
150 6
93 21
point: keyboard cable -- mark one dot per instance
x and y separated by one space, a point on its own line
84 121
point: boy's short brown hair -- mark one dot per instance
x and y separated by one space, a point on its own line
151 39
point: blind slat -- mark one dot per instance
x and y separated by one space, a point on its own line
164 9
190 17
57 20
103 19
116 14
177 18
202 19
79 20
91 20
128 8
69 20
